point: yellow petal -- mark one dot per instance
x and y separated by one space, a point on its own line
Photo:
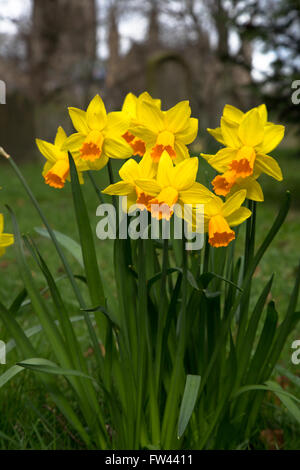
143 133
222 159
184 174
119 189
48 165
98 164
262 109
1 223
145 96
189 133
254 191
6 239
181 152
268 165
129 105
230 134
196 194
251 130
177 118
164 171
129 171
238 217
81 164
149 186
96 114
79 120
116 148
48 150
117 124
60 137
216 134
213 207
74 142
253 188
233 202
150 116
233 114
273 136
131 202
147 167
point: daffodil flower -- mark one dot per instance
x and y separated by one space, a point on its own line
6 239
220 216
169 131
56 170
99 135
173 185
248 139
127 187
129 108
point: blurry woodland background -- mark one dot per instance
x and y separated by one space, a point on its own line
59 53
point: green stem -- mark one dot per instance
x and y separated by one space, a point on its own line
206 255
162 312
95 186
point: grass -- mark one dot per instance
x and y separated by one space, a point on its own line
26 415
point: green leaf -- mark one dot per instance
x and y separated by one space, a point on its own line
9 374
287 399
49 367
260 357
17 303
169 271
246 283
67 242
268 387
292 377
94 281
37 329
188 402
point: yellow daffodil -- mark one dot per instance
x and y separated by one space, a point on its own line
6 239
248 138
56 170
129 172
161 131
99 135
129 108
173 185
220 216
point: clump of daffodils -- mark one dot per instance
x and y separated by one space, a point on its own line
162 176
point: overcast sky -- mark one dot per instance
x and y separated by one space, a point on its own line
131 29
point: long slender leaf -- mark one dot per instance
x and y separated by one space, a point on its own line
67 242
188 402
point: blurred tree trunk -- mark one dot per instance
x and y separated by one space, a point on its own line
61 45
221 21
112 75
153 39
